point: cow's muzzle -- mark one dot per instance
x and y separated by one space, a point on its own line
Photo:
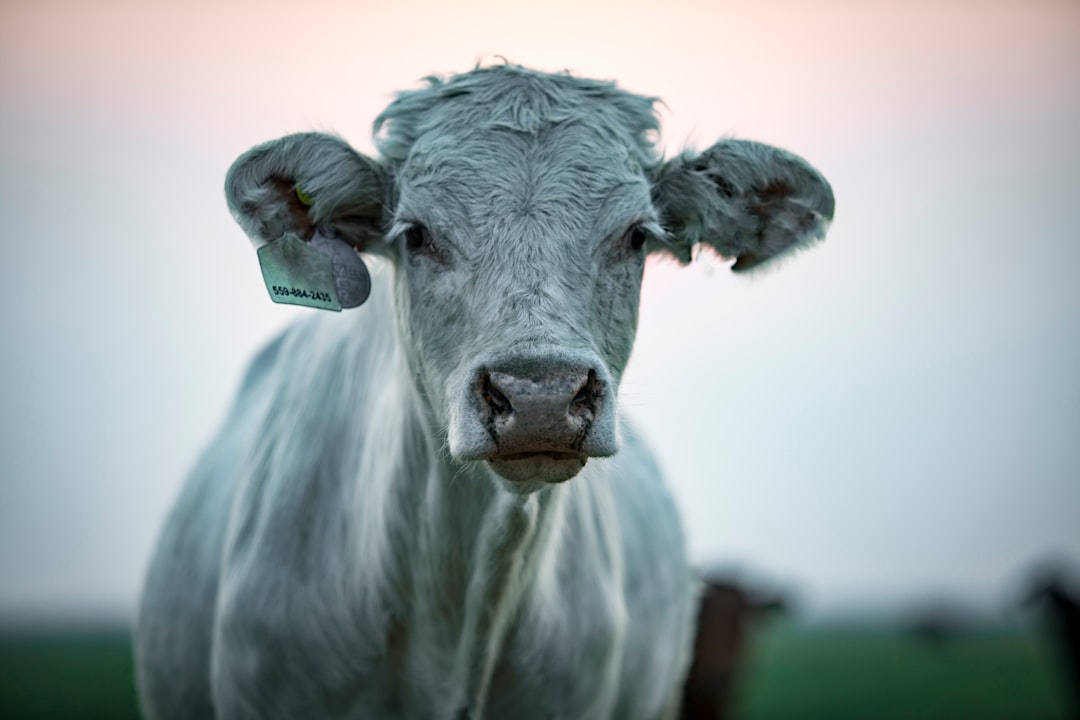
536 418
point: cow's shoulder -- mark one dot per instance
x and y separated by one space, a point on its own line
301 529
659 585
174 628
648 517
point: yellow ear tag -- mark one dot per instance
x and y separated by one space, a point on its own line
303 197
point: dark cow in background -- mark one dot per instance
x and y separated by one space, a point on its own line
727 614
429 507
1054 592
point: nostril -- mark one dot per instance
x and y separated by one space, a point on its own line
585 401
495 399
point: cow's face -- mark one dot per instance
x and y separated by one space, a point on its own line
520 259
518 208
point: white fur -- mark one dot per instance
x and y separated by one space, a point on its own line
379 578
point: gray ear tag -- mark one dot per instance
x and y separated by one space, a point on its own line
325 273
351 279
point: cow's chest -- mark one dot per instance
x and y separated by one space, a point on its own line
545 668
559 656
563 674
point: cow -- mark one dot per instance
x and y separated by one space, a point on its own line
429 506
727 613
1052 589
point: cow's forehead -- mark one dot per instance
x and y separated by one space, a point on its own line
564 171
517 144
475 107
523 196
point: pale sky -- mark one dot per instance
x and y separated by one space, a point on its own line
894 414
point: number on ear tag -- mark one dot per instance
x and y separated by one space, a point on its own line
325 273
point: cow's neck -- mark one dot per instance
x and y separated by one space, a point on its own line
504 559
478 547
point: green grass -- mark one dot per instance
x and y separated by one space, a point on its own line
793 674
847 674
64 676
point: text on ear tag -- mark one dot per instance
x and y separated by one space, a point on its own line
297 274
326 273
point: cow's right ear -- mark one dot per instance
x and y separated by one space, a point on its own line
305 183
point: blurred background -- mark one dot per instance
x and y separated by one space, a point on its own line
876 447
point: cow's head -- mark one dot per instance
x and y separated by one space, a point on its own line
518 209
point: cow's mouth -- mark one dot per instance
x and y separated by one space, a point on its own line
543 467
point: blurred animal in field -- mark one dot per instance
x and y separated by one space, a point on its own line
939 622
429 506
723 641
1051 591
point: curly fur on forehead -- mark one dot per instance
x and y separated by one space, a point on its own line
520 100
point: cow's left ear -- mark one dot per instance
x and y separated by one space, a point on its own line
749 201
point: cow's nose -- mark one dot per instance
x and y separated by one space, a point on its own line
550 411
536 416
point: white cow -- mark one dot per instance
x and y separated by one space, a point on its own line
428 507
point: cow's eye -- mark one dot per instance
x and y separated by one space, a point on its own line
635 238
417 238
